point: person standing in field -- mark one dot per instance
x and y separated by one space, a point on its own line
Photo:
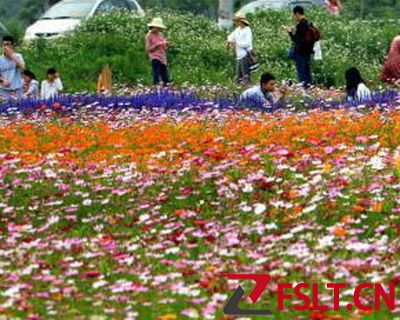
11 67
334 6
391 69
304 38
156 47
242 39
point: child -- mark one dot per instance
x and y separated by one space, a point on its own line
30 86
355 86
156 47
52 86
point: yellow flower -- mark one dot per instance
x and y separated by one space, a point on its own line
327 168
397 163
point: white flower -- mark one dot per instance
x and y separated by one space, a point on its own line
326 241
248 188
143 218
99 284
191 313
377 163
271 226
358 247
246 208
11 292
309 209
172 250
260 208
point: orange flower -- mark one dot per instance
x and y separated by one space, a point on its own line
378 207
339 232
168 316
346 219
179 213
358 209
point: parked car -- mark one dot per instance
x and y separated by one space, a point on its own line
255 6
66 15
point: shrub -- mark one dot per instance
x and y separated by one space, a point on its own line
199 55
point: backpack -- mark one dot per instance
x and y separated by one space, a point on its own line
312 35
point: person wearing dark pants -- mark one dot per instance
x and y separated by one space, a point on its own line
303 45
156 47
243 70
303 69
242 39
160 71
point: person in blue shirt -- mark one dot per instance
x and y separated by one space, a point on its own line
11 67
265 92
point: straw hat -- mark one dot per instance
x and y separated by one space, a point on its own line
157 23
240 16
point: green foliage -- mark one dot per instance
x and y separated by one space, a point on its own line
199 54
15 29
28 11
371 8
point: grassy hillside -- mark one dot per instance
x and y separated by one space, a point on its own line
199 55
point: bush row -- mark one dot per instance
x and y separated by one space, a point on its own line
199 55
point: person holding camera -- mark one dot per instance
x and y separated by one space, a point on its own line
11 67
52 85
265 92
304 36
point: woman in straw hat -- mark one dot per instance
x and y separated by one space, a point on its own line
242 39
156 47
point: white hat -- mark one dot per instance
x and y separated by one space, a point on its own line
157 23
240 16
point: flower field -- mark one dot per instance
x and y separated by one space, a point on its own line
117 211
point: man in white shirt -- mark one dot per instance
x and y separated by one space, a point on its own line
52 86
242 39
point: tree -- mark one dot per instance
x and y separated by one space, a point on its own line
31 10
377 9
362 8
225 13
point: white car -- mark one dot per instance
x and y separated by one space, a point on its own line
66 15
255 6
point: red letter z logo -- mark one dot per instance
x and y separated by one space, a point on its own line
232 308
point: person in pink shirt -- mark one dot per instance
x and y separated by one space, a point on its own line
156 47
334 6
391 69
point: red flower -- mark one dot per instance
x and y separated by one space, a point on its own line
92 274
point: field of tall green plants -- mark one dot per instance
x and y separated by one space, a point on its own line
199 55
